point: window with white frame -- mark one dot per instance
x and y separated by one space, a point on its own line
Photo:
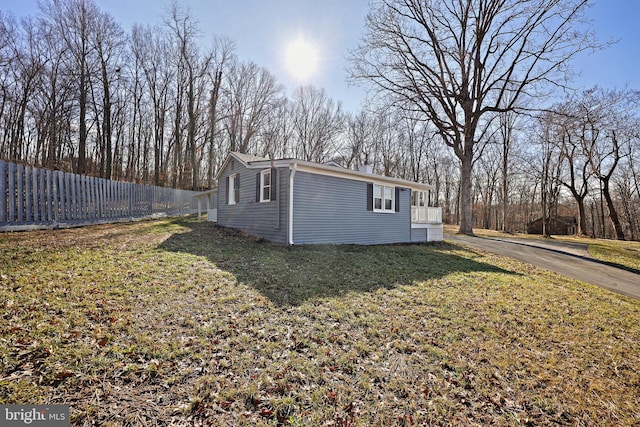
265 185
383 198
233 189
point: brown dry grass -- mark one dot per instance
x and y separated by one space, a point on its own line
180 322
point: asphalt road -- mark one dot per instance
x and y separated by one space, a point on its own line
569 259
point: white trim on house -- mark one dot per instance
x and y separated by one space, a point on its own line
320 169
386 194
419 203
231 191
293 168
253 162
244 159
264 186
208 195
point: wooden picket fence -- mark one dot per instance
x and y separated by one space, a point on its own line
33 198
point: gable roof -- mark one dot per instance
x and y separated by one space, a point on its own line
256 162
243 158
247 158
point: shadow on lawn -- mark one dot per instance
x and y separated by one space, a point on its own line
291 275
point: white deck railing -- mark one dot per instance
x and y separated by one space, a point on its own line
426 215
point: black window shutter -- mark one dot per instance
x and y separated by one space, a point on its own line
369 196
226 191
274 174
397 199
258 187
238 188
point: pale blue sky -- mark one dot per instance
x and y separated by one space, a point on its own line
262 28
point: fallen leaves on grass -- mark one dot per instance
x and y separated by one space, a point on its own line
179 322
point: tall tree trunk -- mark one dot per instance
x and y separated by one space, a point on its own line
213 118
82 143
603 228
466 203
157 147
613 214
191 133
106 123
582 218
505 187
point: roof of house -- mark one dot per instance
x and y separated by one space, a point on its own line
247 158
569 220
322 169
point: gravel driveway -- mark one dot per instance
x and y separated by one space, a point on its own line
569 259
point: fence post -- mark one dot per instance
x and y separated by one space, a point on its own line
27 193
35 188
3 191
82 197
71 185
113 200
149 197
107 199
103 198
20 192
49 196
12 192
55 198
62 205
90 198
66 176
43 190
120 201
91 193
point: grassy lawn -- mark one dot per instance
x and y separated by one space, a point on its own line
180 322
620 253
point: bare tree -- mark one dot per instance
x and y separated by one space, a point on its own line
152 52
418 138
459 62
487 179
507 135
623 186
75 21
606 153
193 70
276 137
389 141
359 146
108 40
24 69
55 94
317 123
222 53
252 90
549 169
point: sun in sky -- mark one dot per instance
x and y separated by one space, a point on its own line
301 59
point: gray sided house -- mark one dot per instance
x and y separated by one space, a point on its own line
298 202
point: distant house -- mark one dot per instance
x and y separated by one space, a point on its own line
558 225
299 202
